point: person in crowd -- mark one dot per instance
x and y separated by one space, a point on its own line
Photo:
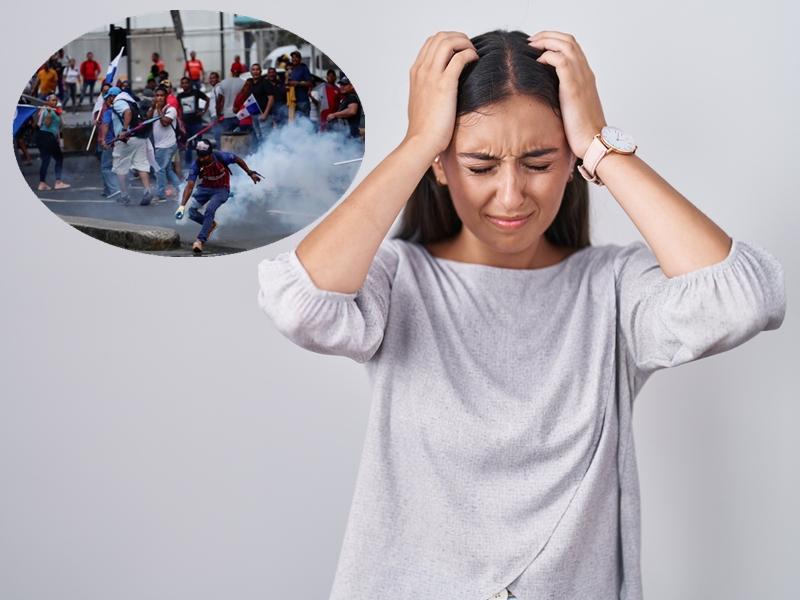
48 140
46 81
191 112
130 150
301 81
193 69
213 81
226 92
248 123
61 63
164 141
213 190
125 85
90 70
111 189
180 130
278 114
157 67
71 76
148 93
330 95
260 88
238 64
349 108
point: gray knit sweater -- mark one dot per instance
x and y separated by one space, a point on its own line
499 450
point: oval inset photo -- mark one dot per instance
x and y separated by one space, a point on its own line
189 133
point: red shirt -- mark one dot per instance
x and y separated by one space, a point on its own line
90 69
195 67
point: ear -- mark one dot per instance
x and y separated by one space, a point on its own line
438 171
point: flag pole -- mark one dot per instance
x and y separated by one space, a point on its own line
201 132
91 136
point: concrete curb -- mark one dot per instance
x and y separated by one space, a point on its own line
127 235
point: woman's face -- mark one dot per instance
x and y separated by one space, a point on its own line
52 101
507 168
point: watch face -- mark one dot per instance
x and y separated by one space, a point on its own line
619 140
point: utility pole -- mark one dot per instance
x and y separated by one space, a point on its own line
222 70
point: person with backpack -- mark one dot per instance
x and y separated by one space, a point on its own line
211 167
130 144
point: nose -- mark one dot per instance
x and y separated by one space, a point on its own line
510 187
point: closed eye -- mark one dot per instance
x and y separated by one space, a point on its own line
480 171
538 168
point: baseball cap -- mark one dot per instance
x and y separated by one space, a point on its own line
113 91
236 69
166 83
344 81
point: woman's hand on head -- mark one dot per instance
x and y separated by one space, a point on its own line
434 88
581 110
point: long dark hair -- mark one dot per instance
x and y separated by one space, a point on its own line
507 66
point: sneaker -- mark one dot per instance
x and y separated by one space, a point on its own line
123 199
197 247
210 231
113 195
159 199
146 199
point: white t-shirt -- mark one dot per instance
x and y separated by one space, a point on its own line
71 74
164 135
229 88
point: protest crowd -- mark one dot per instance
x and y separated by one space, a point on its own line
152 133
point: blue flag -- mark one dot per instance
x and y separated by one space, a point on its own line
22 114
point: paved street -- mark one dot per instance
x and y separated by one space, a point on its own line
248 224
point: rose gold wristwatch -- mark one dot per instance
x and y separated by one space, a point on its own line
610 139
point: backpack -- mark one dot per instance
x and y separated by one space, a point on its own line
138 116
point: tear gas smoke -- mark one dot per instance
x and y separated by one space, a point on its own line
300 182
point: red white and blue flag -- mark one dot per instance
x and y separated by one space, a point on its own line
249 108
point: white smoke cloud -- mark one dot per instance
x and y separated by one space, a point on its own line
300 180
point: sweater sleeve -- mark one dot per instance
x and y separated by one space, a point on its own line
349 325
667 322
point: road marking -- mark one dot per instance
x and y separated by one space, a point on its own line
291 212
85 201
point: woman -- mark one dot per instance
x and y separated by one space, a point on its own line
164 141
71 76
48 141
505 350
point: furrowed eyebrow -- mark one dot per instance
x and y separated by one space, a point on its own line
482 156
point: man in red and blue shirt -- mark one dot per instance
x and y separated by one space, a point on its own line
211 168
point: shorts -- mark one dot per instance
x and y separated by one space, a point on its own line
130 155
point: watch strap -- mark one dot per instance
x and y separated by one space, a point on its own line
596 151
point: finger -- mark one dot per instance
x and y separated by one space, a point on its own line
556 45
446 46
459 61
566 45
553 34
424 52
554 59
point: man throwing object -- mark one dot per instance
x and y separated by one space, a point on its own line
215 187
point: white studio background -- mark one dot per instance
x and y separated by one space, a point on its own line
159 439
